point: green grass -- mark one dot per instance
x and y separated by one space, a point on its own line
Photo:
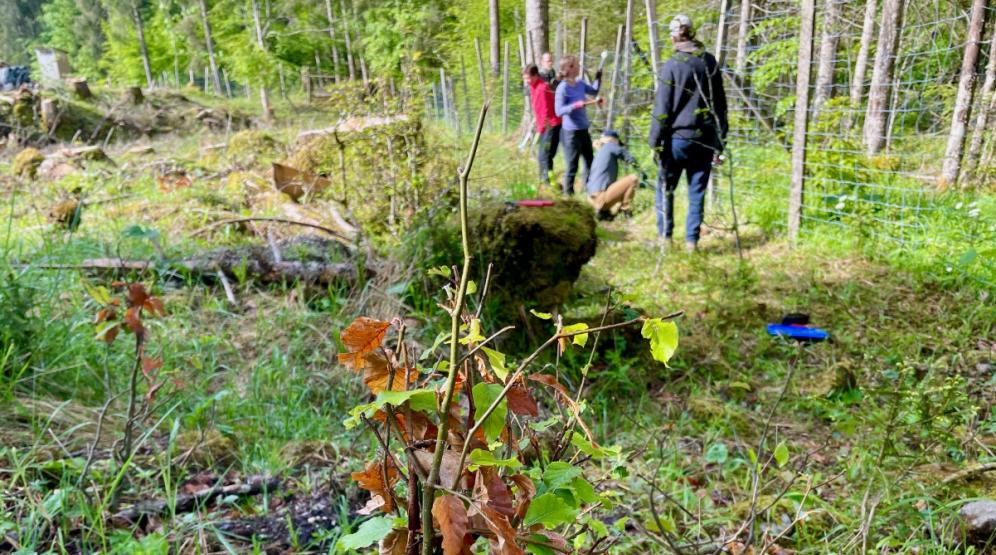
872 421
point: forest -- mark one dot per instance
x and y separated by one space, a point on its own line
309 276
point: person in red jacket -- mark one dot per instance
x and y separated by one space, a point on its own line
547 122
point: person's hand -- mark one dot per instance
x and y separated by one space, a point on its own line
578 105
598 75
717 159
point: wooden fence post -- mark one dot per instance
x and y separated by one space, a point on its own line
615 74
963 102
804 67
740 64
504 91
721 30
582 43
442 86
986 105
558 50
466 92
626 71
454 113
655 56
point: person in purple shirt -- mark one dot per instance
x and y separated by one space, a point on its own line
569 103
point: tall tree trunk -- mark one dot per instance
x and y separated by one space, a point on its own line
740 64
209 42
985 106
537 27
828 55
861 63
264 95
495 35
349 46
142 47
877 112
335 47
966 92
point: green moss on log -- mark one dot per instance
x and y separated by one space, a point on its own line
27 161
537 252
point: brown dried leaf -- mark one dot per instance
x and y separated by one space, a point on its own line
137 295
375 502
499 496
375 374
451 515
447 469
133 321
104 315
363 336
524 496
395 543
504 543
372 480
111 334
520 402
155 306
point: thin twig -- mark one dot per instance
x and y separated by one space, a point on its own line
429 487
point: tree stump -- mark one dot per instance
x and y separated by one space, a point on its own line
49 113
133 95
80 88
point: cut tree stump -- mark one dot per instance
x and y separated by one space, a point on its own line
80 87
134 96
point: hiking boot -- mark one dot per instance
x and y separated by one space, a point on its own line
691 246
605 216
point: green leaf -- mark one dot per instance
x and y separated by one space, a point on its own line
781 454
497 360
666 522
442 271
717 453
550 511
443 336
98 293
588 448
485 394
580 339
541 315
480 457
559 474
968 257
471 287
663 338
584 490
474 335
537 549
369 533
422 400
597 526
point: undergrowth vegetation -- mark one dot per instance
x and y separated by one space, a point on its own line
854 444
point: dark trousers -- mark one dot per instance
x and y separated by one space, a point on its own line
695 159
546 150
577 144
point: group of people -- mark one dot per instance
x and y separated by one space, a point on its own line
687 132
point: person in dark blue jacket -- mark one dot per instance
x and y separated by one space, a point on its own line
605 188
689 126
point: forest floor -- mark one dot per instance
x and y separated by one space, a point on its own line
840 446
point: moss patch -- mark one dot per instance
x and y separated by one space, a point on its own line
27 161
252 148
537 252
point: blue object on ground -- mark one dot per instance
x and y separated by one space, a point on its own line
801 333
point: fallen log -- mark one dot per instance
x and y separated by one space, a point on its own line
260 271
185 503
303 258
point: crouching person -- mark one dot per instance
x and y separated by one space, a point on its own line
606 190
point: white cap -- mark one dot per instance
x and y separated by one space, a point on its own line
681 27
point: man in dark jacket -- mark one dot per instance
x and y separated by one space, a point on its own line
688 129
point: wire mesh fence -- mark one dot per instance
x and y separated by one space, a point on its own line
878 119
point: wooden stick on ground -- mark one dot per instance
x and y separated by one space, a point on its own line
254 485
